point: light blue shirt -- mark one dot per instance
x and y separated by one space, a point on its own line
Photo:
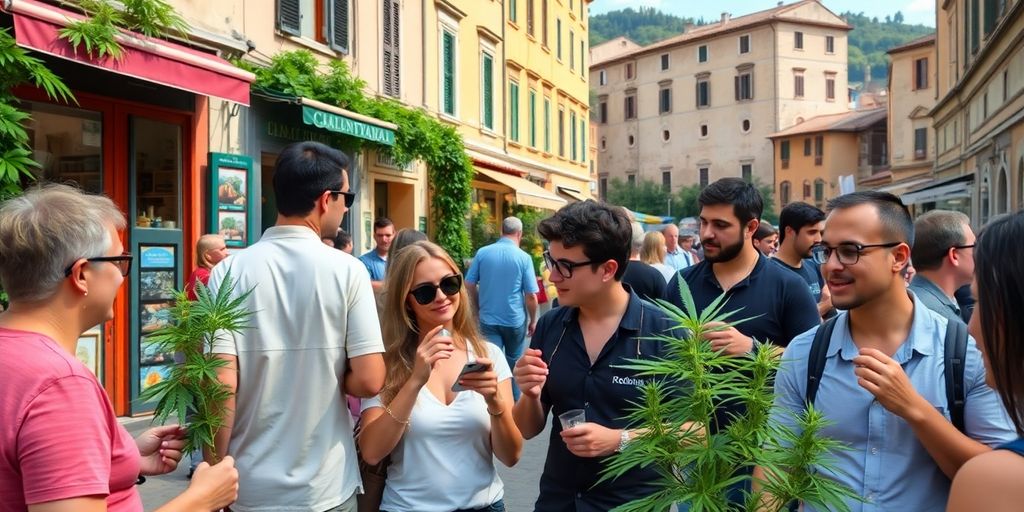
375 265
886 464
503 272
679 259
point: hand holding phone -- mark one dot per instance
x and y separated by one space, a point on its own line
470 368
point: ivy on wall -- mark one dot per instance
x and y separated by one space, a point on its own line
419 137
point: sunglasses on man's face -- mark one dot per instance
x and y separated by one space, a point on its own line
427 292
349 197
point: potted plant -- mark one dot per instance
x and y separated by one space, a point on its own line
700 466
192 393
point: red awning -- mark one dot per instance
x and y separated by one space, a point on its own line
37 26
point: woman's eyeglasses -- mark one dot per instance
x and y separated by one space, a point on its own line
427 292
349 197
123 263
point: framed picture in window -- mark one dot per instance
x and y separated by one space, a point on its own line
230 192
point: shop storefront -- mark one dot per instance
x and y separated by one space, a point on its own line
138 134
276 121
949 194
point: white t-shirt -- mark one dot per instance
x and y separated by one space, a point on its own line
444 461
314 309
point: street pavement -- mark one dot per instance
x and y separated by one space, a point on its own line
520 481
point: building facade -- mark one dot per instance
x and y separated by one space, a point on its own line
510 77
979 113
813 157
700 106
912 95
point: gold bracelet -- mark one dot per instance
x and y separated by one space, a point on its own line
388 410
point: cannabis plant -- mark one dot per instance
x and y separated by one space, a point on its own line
192 392
699 461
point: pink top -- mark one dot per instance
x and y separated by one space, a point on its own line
59 437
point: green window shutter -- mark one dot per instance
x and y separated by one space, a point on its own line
448 57
533 119
289 19
572 134
488 92
512 10
784 149
547 125
513 103
338 25
583 140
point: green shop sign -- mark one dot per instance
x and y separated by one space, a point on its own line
341 124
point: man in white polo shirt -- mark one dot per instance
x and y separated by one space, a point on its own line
313 337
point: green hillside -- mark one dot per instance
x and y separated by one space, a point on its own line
868 41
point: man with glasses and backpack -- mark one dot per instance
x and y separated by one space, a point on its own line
903 388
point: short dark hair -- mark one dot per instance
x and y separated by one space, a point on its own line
897 225
936 232
342 239
604 231
303 171
764 230
744 197
382 222
797 216
1000 282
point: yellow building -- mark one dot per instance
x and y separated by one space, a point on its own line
511 77
912 86
813 157
979 115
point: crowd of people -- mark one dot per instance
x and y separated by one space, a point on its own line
396 365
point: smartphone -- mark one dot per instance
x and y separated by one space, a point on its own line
471 367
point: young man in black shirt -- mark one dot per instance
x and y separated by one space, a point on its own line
800 228
576 359
645 280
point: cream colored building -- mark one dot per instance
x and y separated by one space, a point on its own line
912 95
700 106
381 43
979 114
510 76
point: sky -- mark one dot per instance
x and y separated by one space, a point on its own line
914 11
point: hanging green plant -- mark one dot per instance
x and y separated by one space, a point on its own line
99 30
699 466
192 393
420 136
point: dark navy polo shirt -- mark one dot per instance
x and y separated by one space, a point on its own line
776 302
605 392
809 272
645 280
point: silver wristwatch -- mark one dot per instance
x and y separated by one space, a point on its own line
623 440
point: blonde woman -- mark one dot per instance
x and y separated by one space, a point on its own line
442 442
653 254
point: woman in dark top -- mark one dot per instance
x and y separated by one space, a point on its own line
991 481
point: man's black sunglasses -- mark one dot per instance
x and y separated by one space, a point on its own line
349 197
123 263
427 292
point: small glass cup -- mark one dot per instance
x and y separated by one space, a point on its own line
572 418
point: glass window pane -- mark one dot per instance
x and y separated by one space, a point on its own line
157 167
67 143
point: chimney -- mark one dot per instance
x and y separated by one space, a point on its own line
725 18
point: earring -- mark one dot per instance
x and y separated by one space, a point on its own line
85 294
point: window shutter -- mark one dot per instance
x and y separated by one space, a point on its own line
289 20
338 24
391 35
488 84
449 73
736 86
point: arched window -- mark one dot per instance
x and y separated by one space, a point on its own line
1002 192
784 192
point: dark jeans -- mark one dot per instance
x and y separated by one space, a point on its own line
497 506
512 341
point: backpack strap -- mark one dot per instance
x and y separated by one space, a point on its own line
954 359
817 356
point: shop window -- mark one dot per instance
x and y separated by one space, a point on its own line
157 170
67 144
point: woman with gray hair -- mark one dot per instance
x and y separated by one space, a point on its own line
61 447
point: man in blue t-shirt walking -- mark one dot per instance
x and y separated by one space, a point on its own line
500 280
800 228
